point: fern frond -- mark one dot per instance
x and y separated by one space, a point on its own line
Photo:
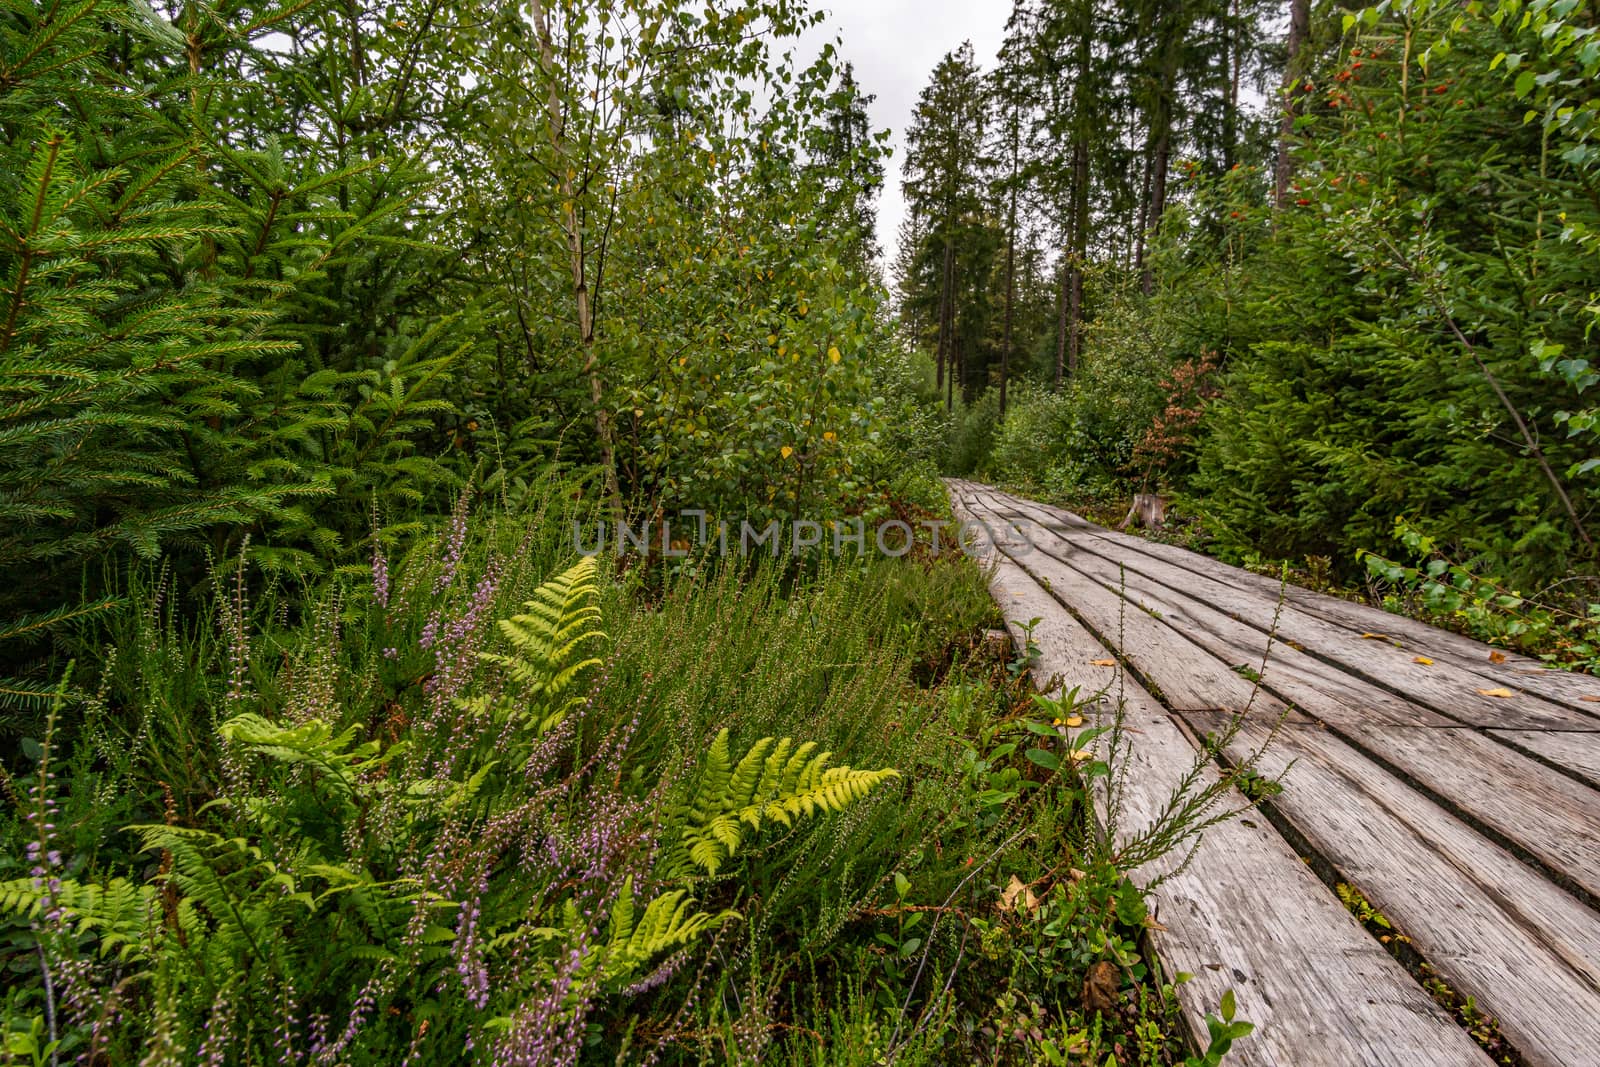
669 923
312 744
119 914
775 781
547 640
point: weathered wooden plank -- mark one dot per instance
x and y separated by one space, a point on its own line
1246 914
1188 676
1494 928
1516 671
1543 811
1303 681
1578 751
1444 687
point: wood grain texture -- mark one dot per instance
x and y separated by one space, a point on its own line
1542 811
1443 686
1495 929
1515 671
1578 752
1187 675
1471 820
1246 913
1303 681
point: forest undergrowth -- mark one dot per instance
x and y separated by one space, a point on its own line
489 802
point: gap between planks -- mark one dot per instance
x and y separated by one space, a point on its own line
1246 913
1551 818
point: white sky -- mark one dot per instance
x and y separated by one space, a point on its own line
894 45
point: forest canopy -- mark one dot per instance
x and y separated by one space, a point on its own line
1324 275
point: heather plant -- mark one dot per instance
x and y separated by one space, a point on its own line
393 865
481 803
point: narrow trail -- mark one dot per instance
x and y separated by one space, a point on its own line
1456 788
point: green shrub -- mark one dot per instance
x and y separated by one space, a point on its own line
972 433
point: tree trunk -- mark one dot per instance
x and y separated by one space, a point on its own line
946 320
1080 253
575 254
1233 59
1294 66
1061 316
1161 134
1144 218
1078 207
1011 276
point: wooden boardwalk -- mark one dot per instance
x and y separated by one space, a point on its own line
1458 790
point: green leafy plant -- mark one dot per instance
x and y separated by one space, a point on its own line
775 781
549 642
1562 630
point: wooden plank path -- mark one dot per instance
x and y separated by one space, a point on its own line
1459 791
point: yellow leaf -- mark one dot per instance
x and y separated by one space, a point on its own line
1080 755
829 436
1497 657
1372 637
1424 660
1103 663
833 353
787 451
1498 691
1074 721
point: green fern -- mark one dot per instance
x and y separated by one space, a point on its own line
548 642
776 781
120 914
311 744
668 923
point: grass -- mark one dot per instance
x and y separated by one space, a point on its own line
430 877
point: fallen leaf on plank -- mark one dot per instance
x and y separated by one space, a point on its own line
1103 663
1498 691
1424 660
1374 637
1497 657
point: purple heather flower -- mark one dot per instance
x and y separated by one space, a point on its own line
380 576
457 541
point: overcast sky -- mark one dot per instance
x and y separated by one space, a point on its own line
894 45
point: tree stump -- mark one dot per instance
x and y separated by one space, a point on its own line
1149 510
